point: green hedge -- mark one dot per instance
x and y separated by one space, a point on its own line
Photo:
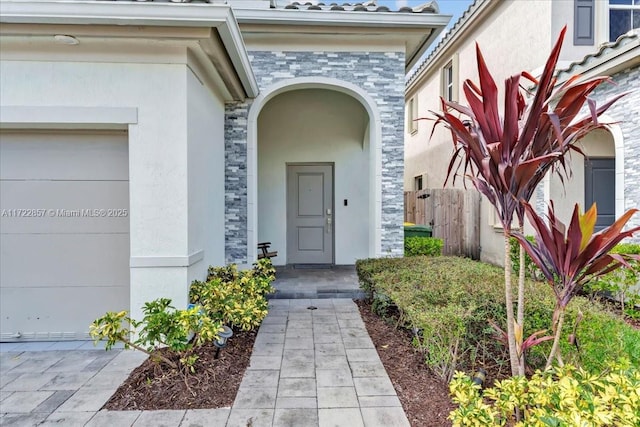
415 246
448 301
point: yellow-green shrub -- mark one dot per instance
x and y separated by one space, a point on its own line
235 297
562 396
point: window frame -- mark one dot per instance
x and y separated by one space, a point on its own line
449 79
418 183
412 115
633 8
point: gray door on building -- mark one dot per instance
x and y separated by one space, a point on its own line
310 214
600 188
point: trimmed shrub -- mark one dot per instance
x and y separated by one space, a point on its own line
235 297
622 284
414 246
531 270
447 302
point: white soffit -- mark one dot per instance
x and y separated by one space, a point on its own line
217 16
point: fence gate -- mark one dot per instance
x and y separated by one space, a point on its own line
453 214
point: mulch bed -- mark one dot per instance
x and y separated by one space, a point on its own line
214 384
424 397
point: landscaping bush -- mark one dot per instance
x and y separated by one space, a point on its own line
623 284
531 270
562 396
182 331
447 302
236 298
414 246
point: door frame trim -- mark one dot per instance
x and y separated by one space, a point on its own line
333 203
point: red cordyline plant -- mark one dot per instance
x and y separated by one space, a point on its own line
570 257
506 157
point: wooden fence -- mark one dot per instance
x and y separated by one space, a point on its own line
453 214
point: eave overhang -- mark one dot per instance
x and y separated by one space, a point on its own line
419 30
233 67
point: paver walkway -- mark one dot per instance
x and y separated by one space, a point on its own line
315 368
308 368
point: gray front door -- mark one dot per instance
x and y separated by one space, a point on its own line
600 186
310 214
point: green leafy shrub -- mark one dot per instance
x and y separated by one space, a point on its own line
235 297
449 300
622 284
182 331
414 246
562 396
531 270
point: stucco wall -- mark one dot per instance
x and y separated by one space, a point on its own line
205 127
381 75
627 145
158 155
314 125
598 143
507 50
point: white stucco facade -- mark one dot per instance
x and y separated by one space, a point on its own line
207 141
169 99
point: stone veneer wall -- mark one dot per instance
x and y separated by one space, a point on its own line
626 111
380 74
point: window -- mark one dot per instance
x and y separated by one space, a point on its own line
624 16
412 115
449 80
447 75
417 183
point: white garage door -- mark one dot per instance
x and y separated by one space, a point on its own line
64 224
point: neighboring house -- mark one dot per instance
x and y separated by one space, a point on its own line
142 142
516 36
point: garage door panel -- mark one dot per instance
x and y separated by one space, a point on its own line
57 313
37 260
64 206
64 232
64 156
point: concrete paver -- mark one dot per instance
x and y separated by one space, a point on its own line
387 417
340 417
295 417
59 418
205 417
251 417
29 381
330 373
23 402
337 397
308 368
113 418
160 418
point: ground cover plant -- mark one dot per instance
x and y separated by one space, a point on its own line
622 286
562 396
447 303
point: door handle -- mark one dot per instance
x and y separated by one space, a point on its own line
328 224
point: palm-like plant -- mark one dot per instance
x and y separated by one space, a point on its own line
570 257
507 157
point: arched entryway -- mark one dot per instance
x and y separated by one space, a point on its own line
314 173
596 177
